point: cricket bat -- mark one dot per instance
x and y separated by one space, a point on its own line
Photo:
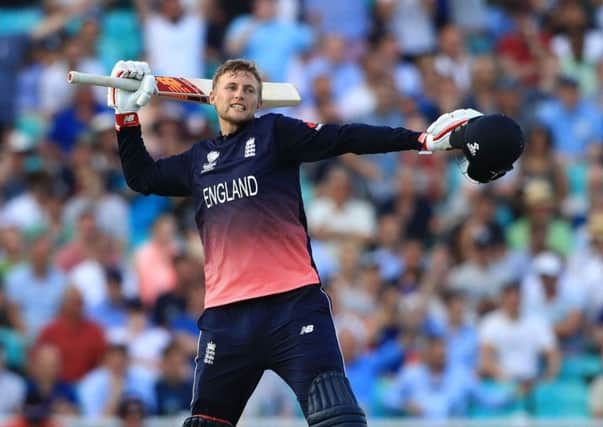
195 90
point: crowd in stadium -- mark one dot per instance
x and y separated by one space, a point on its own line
451 299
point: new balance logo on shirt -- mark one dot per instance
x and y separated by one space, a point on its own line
307 329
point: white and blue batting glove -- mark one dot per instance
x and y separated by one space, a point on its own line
437 136
123 101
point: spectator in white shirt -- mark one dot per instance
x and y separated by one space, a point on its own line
338 216
551 294
167 32
511 343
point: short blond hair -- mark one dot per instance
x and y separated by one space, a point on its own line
236 65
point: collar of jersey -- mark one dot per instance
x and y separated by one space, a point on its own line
224 139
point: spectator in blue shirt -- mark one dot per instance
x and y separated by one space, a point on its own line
172 389
363 366
111 312
461 337
435 389
267 41
36 288
575 123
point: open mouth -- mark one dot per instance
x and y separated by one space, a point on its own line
238 107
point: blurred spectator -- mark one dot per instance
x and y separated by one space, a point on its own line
167 30
338 216
411 21
20 158
539 162
331 61
172 303
132 413
89 275
540 206
357 283
111 312
14 47
484 271
523 51
388 246
183 326
74 252
349 20
12 389
144 341
364 366
470 15
154 261
247 36
578 47
43 382
405 73
484 75
574 122
411 203
104 143
413 268
36 288
11 248
103 389
111 210
511 101
459 333
512 343
586 266
65 54
553 296
70 122
80 341
452 60
173 389
29 210
435 389
34 413
361 99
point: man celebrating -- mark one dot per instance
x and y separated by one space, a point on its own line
264 305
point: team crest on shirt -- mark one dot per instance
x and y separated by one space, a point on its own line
250 147
212 157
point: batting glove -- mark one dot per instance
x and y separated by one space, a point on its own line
437 136
126 103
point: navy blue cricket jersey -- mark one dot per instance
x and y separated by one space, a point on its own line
247 198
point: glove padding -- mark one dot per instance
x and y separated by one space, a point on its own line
437 136
124 101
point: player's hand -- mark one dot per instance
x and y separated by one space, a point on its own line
124 101
437 136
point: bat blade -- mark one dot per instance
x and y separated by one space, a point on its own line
195 90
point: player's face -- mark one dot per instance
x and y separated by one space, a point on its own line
236 98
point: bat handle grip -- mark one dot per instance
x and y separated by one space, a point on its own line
99 80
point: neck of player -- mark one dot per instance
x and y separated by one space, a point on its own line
228 127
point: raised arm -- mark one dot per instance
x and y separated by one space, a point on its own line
165 177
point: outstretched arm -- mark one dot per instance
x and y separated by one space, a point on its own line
307 142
